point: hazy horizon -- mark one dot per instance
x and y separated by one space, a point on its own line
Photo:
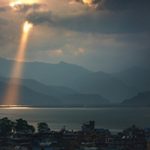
80 65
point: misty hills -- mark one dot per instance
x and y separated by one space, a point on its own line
37 94
139 78
73 77
106 85
27 96
141 99
136 77
52 74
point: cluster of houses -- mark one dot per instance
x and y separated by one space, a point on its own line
88 138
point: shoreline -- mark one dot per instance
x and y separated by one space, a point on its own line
102 106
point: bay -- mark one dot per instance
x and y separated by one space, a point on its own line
113 118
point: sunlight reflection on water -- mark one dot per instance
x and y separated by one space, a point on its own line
113 118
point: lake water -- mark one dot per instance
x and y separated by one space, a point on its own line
113 118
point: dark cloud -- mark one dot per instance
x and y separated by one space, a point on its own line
125 22
108 23
115 5
133 17
41 18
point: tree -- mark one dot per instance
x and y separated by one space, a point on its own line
43 127
6 127
23 126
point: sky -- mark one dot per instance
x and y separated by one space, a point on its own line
107 35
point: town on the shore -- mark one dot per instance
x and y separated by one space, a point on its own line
19 135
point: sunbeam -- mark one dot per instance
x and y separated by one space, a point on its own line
11 95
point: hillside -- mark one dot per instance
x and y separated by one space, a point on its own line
142 99
136 77
73 77
105 85
35 93
30 97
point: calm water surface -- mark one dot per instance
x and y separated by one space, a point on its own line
111 118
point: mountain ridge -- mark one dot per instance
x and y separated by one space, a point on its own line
141 99
54 96
136 77
74 77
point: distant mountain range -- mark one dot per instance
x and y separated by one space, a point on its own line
63 77
136 77
106 85
141 99
37 94
27 96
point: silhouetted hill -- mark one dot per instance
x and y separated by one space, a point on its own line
30 97
57 91
105 85
142 99
52 74
85 100
35 93
136 77
74 77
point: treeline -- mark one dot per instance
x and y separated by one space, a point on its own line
9 127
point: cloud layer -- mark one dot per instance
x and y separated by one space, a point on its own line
113 33
24 8
129 19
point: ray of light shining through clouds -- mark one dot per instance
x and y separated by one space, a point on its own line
12 91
